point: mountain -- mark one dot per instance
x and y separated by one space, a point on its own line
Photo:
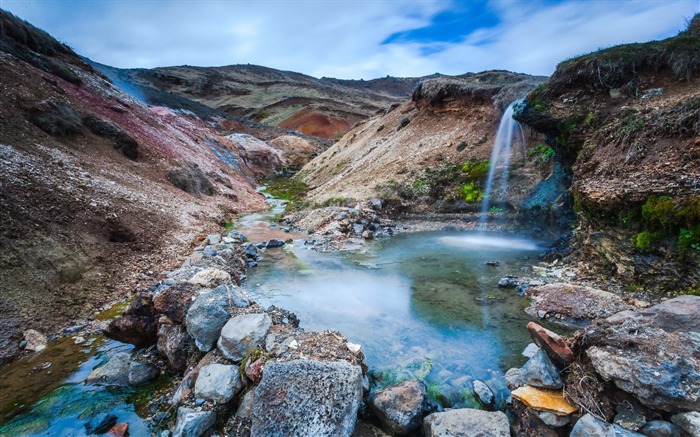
325 108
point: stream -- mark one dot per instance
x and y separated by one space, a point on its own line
422 305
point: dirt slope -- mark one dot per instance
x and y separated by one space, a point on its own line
98 193
448 121
625 122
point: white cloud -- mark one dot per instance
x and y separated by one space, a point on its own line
344 38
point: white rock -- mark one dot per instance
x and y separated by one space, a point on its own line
210 278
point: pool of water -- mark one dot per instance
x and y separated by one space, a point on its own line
422 305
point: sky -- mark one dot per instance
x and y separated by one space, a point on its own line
358 39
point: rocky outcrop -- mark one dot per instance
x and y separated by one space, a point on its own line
307 397
466 422
399 407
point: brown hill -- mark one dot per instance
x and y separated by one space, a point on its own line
99 192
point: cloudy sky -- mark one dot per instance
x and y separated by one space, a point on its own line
352 39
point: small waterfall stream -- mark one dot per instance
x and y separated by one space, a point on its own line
509 131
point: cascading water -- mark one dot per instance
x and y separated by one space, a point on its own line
509 131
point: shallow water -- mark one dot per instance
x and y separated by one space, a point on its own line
422 305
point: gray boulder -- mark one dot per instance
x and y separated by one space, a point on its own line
399 407
141 373
466 422
688 422
121 371
590 426
483 392
539 371
245 408
208 314
218 383
243 333
193 423
652 354
307 397
660 428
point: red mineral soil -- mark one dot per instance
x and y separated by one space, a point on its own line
317 124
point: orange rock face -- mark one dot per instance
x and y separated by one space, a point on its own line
551 401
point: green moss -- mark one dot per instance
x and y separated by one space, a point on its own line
334 201
659 212
647 240
471 193
476 170
252 356
689 238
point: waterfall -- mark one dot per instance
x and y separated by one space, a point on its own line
508 129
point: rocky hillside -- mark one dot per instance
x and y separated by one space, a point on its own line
421 154
98 192
625 122
325 108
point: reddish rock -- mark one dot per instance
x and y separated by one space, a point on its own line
551 342
254 371
141 306
175 301
139 331
120 430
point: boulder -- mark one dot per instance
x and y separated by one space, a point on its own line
590 426
245 408
214 238
551 342
399 407
307 397
100 423
205 318
551 401
243 333
210 278
218 383
652 354
539 371
36 341
274 243
575 303
141 331
174 345
466 422
121 371
688 422
141 373
193 423
660 428
484 393
174 301
119 430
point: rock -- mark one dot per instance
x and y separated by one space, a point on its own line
307 397
214 239
376 204
514 378
652 354
218 383
245 408
274 243
239 237
660 428
540 372
577 304
121 371
243 333
205 318
688 422
399 407
141 331
211 277
174 301
193 423
544 400
484 393
36 341
120 430
530 350
552 343
368 235
141 373
589 426
492 264
101 423
354 348
174 345
654 92
56 117
552 419
251 251
466 422
628 417
254 370
509 281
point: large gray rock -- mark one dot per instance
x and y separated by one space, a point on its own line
121 371
307 397
218 383
399 407
174 344
688 422
243 333
652 354
193 423
466 422
539 371
206 317
590 426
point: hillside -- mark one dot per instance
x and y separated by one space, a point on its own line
325 108
99 193
412 154
625 122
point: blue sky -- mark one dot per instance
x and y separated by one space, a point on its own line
352 39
